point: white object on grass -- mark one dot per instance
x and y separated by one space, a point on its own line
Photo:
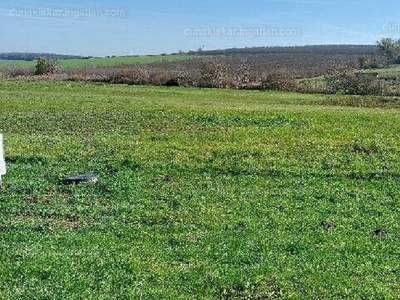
2 160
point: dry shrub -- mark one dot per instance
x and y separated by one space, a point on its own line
137 75
15 71
281 81
160 77
242 78
213 74
78 77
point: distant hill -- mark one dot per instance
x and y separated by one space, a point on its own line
35 56
313 49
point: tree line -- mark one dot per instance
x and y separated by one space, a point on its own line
312 49
35 56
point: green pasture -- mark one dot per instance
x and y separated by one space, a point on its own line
202 194
98 62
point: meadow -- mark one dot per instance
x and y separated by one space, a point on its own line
96 61
202 194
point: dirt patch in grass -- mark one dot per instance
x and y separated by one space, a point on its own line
50 195
69 225
43 221
365 148
379 232
328 225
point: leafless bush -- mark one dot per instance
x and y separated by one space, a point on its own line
213 74
78 77
160 77
243 75
281 81
137 75
16 71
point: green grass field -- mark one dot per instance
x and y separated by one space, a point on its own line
95 62
203 194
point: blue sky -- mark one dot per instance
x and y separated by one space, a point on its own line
120 27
